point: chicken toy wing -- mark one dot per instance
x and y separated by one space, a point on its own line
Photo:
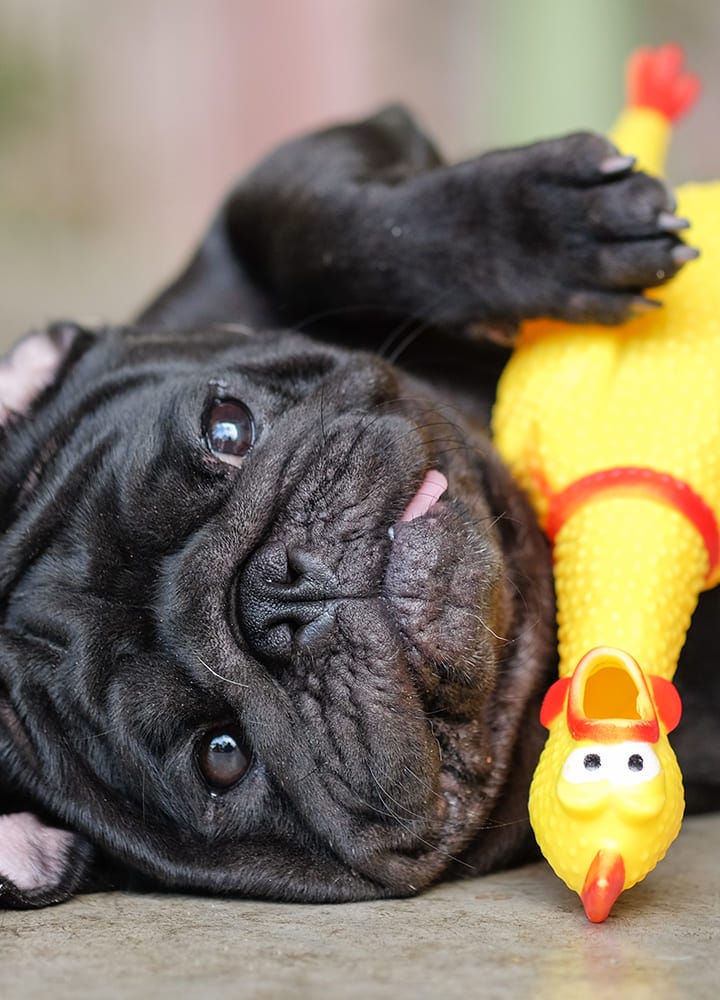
615 435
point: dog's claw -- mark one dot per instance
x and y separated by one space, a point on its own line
670 223
683 254
615 165
640 306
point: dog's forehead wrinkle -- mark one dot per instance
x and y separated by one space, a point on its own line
36 527
108 373
360 469
79 432
291 374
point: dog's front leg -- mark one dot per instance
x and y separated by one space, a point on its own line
563 228
363 225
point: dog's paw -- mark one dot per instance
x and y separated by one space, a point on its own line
607 230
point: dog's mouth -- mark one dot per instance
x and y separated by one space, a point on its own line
440 581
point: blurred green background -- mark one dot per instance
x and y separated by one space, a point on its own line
123 121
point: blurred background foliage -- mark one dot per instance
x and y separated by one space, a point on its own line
123 121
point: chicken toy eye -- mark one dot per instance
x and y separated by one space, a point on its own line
223 757
635 763
628 763
585 764
229 430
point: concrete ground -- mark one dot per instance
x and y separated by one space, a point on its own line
516 934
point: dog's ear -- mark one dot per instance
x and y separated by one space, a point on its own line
39 864
32 365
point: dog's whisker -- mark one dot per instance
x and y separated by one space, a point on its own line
399 334
339 312
424 782
323 431
387 797
400 340
435 848
226 680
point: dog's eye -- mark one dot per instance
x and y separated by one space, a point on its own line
223 757
229 429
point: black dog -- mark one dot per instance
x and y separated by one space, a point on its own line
250 643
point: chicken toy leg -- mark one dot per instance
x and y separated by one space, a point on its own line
615 435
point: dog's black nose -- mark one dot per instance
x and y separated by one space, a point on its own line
283 602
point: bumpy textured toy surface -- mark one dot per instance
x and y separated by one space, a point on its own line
615 435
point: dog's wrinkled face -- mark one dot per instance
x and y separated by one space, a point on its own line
243 650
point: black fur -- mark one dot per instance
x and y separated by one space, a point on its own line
387 690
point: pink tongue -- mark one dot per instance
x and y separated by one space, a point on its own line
431 489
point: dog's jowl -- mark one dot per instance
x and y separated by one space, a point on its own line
275 620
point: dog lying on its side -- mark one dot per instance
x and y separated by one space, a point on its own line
275 620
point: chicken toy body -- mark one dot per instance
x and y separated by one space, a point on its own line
615 435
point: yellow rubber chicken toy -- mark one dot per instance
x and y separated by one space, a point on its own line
615 435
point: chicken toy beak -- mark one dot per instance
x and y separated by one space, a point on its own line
604 882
